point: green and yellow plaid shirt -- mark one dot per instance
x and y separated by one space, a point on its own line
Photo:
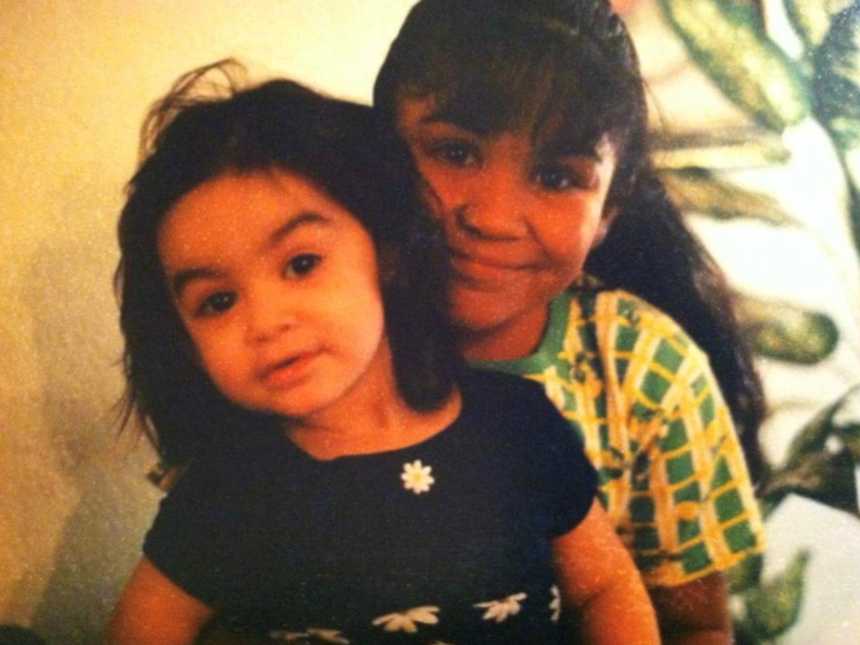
643 399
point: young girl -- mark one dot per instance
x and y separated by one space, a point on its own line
345 481
528 121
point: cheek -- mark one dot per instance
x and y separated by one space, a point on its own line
568 240
215 353
438 191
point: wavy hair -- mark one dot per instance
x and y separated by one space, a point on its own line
570 67
208 125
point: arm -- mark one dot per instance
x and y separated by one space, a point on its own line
154 611
597 575
695 613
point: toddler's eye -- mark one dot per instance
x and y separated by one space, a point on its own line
455 153
216 303
301 265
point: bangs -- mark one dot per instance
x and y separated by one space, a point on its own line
523 75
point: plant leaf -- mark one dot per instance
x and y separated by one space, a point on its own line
787 332
811 18
837 78
751 71
746 574
774 606
822 458
698 190
717 150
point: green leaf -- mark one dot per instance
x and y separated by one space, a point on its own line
837 78
724 39
698 190
774 606
822 458
811 18
746 574
840 419
719 150
786 332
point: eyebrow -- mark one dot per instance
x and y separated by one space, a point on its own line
184 277
459 118
561 146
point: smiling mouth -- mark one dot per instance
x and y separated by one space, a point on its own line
477 272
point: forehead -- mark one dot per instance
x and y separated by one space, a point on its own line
549 135
239 213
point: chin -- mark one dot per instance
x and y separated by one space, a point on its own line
479 320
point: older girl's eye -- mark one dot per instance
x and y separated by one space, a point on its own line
216 303
559 177
301 265
455 153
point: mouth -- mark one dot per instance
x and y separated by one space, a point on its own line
480 271
288 371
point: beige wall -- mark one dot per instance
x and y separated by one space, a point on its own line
76 78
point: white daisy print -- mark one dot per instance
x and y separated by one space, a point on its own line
312 635
555 604
416 477
406 621
500 610
328 636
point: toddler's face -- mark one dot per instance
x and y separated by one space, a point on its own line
520 217
278 288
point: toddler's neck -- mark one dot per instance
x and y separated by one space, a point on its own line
391 425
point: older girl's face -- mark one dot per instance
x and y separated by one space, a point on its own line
520 217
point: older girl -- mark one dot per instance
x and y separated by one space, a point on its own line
528 122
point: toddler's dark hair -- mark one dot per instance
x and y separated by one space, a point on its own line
191 136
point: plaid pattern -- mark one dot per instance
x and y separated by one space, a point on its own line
643 399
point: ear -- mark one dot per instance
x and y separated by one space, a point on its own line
606 221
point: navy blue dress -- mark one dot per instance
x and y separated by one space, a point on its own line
446 541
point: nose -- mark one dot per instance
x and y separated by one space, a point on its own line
269 313
496 206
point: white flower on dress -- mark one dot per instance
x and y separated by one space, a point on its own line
313 634
328 635
500 610
405 621
416 477
555 604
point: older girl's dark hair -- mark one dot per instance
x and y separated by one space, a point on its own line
190 137
568 68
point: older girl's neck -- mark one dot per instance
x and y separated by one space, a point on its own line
506 342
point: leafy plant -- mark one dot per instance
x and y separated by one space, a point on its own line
729 41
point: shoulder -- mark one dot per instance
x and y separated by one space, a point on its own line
622 323
491 389
614 308
514 410
222 472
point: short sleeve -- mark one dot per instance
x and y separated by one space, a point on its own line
189 534
691 508
565 475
